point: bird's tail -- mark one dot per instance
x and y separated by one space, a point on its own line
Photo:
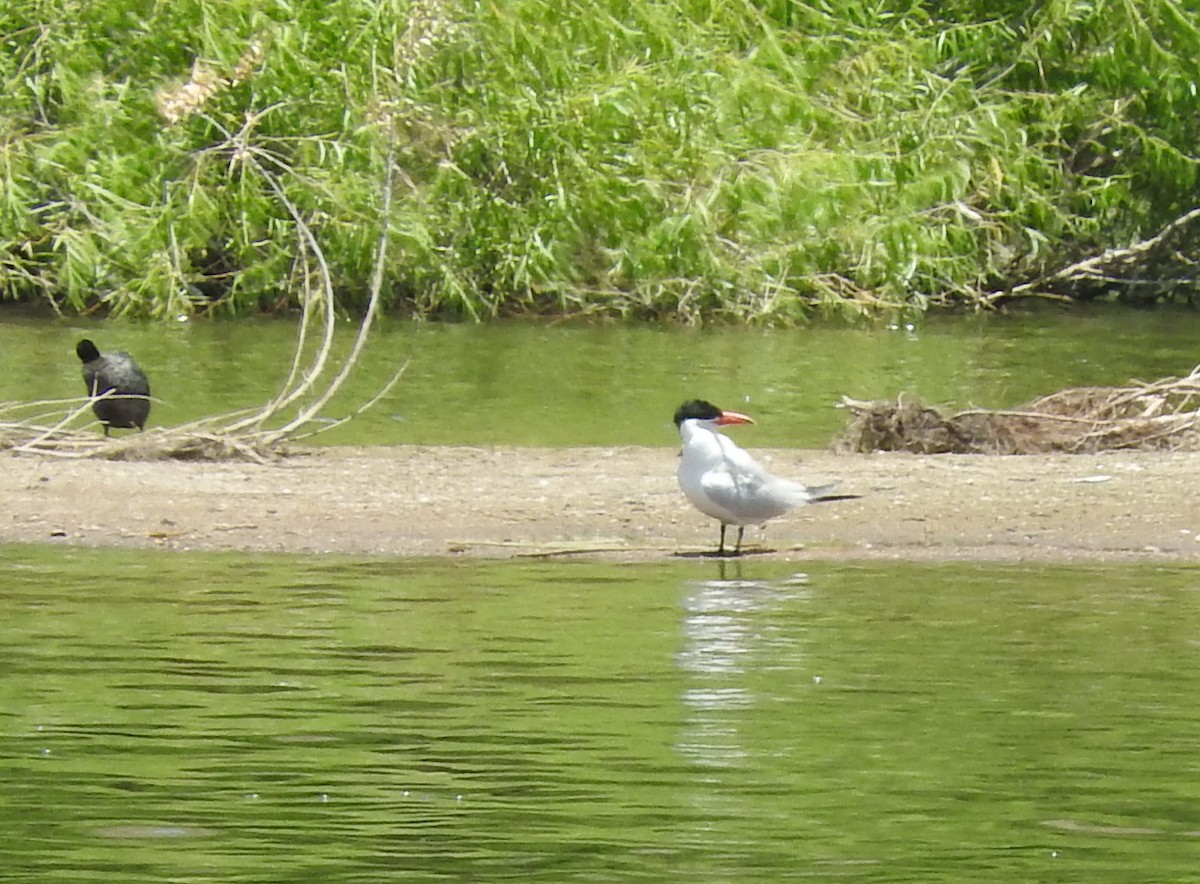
824 494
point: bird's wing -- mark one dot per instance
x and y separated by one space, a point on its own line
725 491
751 474
737 485
125 375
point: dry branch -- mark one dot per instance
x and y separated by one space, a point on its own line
51 428
1127 266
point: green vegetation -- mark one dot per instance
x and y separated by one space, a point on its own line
688 159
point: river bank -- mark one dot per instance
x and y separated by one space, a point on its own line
617 503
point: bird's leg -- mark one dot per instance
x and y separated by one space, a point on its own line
721 545
737 550
106 429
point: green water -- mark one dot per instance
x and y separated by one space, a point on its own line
524 383
176 717
225 718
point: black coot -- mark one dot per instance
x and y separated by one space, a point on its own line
128 405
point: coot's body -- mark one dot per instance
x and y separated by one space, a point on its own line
127 403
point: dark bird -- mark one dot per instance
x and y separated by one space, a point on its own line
723 481
127 403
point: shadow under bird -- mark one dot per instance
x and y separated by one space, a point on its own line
723 481
123 386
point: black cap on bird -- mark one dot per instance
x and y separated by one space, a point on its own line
724 482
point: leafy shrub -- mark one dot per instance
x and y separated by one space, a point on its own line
658 159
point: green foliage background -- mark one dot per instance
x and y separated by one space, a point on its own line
691 159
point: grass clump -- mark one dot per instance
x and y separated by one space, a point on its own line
664 159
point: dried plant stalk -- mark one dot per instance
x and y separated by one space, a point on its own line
177 103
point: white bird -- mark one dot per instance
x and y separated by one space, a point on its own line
723 481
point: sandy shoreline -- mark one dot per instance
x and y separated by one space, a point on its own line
612 503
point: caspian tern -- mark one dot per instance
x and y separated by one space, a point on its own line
127 403
723 481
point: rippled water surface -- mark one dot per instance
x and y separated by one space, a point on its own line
523 383
225 718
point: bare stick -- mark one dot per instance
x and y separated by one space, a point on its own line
318 365
383 391
364 327
241 432
1089 267
71 415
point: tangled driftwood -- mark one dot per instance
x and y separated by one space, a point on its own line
1163 414
51 428
1144 271
55 433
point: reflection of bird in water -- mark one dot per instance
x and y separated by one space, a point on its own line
127 403
723 481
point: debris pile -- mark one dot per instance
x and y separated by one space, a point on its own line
1162 415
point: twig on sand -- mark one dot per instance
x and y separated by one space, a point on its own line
551 549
